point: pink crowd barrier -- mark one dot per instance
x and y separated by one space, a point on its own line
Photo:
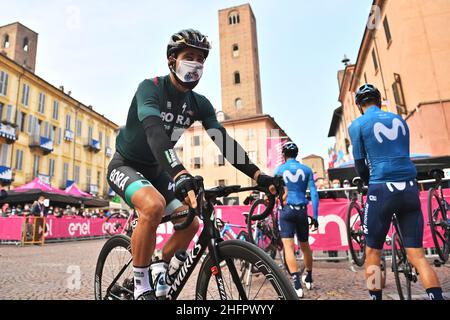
331 234
59 228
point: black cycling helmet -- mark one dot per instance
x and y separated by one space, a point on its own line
290 149
367 93
188 38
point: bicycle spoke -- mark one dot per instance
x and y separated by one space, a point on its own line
265 279
440 236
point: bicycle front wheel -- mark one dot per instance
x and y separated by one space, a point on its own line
437 217
355 233
248 274
114 272
401 269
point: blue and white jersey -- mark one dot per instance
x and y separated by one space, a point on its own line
298 178
382 138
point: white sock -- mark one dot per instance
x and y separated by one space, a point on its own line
141 281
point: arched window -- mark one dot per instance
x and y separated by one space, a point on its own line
238 103
235 50
6 41
237 77
26 44
234 18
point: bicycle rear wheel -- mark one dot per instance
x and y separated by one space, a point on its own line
114 272
113 225
355 233
401 268
438 221
259 276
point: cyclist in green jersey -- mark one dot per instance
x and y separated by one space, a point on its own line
146 172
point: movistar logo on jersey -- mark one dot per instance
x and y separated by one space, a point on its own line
392 133
392 186
289 177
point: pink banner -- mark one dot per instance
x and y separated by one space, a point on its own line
274 152
330 236
59 228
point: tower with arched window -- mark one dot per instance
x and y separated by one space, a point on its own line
240 78
19 43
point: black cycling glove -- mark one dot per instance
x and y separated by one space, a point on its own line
315 223
183 184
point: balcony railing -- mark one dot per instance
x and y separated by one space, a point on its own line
6 176
69 135
42 143
109 152
8 131
91 188
93 145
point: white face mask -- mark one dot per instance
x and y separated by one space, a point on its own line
189 71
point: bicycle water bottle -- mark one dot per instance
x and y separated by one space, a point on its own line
158 272
175 265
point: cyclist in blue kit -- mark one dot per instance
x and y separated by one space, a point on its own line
382 158
294 216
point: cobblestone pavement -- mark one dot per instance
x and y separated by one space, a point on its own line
45 273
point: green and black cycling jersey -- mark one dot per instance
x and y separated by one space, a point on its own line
157 118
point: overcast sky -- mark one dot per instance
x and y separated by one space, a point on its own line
101 50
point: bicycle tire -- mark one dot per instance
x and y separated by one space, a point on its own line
384 269
358 260
120 228
443 252
397 255
271 249
116 241
244 251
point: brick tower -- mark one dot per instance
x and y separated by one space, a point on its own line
241 86
19 43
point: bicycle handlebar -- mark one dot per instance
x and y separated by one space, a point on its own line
193 212
218 192
279 185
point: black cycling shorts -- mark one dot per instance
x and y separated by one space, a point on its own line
385 199
294 221
126 177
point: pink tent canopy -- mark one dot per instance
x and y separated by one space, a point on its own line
38 184
73 190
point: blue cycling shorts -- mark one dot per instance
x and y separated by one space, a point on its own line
385 199
294 221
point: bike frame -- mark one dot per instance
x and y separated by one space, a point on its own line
209 239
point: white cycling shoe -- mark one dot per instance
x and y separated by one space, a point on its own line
309 285
300 293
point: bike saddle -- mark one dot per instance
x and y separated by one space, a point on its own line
437 174
357 181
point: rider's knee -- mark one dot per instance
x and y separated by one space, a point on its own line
195 225
152 210
373 252
304 246
415 255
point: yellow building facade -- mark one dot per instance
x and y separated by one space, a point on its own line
46 133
